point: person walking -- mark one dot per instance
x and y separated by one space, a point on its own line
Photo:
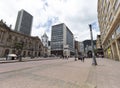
75 58
6 57
83 58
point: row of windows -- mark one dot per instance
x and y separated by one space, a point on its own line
70 40
113 36
118 30
57 38
104 11
117 2
57 32
11 40
103 19
56 46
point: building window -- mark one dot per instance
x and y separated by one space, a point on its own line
103 3
116 4
2 36
9 38
111 17
113 36
107 1
118 30
108 9
16 39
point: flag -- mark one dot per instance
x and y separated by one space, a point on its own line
94 25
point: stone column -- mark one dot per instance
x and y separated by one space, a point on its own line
113 53
118 49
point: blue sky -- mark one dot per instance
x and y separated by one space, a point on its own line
76 14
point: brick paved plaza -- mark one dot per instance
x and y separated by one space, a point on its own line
60 73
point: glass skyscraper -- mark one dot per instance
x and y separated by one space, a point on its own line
24 22
61 39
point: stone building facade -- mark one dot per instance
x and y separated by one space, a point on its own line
109 23
99 49
31 46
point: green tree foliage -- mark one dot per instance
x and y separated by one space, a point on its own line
18 46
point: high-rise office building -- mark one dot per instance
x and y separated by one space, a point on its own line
109 23
62 40
24 22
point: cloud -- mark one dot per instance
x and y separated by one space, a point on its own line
76 14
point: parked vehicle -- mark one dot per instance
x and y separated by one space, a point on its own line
11 57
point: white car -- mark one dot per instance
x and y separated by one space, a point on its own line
11 56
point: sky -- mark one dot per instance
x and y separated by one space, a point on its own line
76 14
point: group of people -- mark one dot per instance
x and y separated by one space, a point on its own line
80 57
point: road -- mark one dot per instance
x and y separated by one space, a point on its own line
56 73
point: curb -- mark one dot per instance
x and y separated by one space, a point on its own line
14 61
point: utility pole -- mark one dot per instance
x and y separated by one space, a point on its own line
93 53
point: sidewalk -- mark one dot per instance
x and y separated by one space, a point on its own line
25 59
105 75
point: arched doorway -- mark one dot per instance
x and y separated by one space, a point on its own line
39 54
28 53
24 53
35 54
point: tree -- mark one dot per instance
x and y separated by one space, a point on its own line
19 47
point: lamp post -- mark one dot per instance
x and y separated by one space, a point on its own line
93 54
76 51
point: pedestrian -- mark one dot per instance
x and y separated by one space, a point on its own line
75 58
6 57
67 57
83 58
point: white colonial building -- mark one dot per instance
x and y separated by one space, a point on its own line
44 39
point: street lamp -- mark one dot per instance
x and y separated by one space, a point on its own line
93 54
76 51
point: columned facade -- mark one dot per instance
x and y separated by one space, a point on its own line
31 46
109 22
